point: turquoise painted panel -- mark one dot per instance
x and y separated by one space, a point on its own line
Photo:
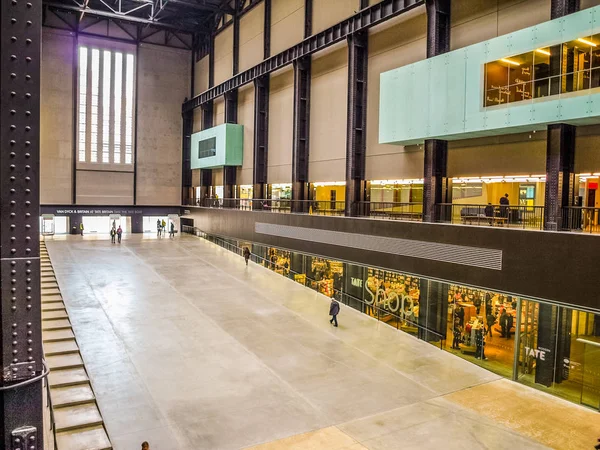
442 97
229 147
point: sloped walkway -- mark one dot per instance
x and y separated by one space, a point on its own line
188 348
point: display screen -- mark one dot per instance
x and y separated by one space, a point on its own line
207 148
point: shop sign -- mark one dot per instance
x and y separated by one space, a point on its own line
356 282
538 353
391 301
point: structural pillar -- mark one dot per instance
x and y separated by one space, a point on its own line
21 408
553 344
560 175
356 136
560 149
261 137
205 183
433 310
560 8
230 172
186 170
435 180
300 145
436 188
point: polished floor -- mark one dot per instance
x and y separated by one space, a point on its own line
188 348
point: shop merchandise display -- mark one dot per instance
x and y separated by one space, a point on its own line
393 295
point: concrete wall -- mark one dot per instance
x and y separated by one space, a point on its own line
163 83
329 12
401 44
328 116
281 112
478 20
287 24
56 133
224 55
252 37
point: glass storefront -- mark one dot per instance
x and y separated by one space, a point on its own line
552 348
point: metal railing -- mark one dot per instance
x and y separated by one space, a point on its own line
579 218
526 217
321 207
380 311
390 210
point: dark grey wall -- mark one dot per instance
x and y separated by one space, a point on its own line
559 267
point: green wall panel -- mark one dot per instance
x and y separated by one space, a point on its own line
229 146
442 97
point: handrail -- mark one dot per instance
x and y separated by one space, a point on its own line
198 232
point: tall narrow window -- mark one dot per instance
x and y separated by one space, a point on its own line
129 109
95 99
106 106
83 59
117 100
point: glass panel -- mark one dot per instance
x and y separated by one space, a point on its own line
95 93
590 394
118 95
106 75
575 64
83 68
129 109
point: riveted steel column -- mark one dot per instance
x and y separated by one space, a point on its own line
229 182
231 106
364 4
261 136
236 38
560 8
186 170
308 9
205 183
560 146
267 30
356 136
300 145
20 311
435 181
560 174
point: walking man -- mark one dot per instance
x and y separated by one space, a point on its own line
172 231
246 254
119 233
158 227
81 228
113 233
334 310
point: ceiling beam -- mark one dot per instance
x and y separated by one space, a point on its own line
110 15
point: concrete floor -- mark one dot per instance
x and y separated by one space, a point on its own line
188 348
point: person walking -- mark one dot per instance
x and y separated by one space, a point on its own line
480 344
113 233
81 228
504 203
503 323
158 230
334 310
491 320
164 227
246 254
456 334
145 445
172 231
119 233
509 325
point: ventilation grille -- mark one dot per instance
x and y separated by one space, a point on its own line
455 254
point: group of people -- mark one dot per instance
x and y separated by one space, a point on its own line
161 228
116 233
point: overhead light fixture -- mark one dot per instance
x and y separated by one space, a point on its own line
508 61
543 52
585 41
